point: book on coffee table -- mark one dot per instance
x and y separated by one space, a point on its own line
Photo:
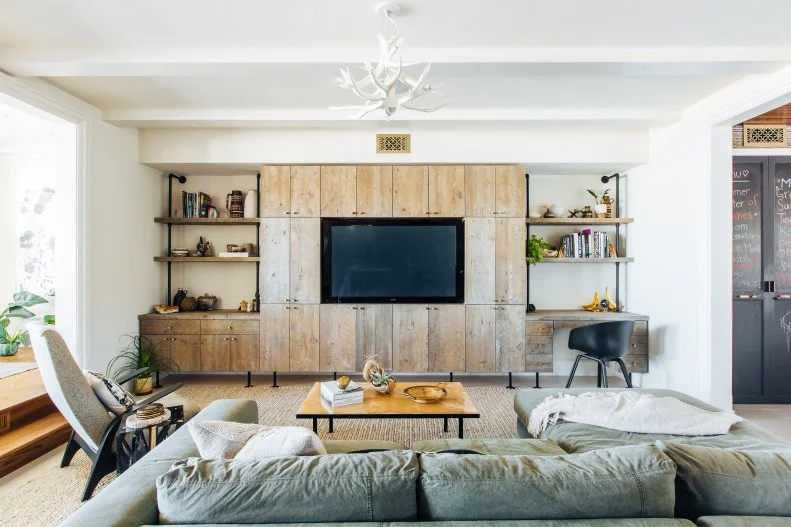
331 392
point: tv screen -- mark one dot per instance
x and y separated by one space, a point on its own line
393 260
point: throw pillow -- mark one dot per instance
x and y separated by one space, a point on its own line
282 441
221 439
716 481
111 394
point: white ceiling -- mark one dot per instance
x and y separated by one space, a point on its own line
250 62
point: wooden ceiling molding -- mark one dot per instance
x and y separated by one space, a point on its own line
777 116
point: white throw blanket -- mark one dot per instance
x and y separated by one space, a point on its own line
630 411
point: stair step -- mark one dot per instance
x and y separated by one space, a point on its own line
31 440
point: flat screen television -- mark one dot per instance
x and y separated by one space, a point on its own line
392 260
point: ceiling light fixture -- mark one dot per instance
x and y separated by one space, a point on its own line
386 87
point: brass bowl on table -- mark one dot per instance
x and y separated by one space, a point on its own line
426 394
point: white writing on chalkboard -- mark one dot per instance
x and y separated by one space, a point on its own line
746 217
782 227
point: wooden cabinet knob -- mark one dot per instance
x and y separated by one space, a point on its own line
361 212
169 328
297 212
354 212
230 328
226 338
288 212
233 338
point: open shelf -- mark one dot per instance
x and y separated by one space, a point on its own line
208 221
581 314
586 260
205 259
578 221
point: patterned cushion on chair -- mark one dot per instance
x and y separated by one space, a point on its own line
112 395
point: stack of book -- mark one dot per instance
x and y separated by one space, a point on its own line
586 244
334 396
195 204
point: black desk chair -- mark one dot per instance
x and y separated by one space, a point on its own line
604 342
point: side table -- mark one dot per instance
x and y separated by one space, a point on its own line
132 443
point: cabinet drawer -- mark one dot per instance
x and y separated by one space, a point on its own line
229 327
539 328
636 363
541 363
169 327
638 345
538 345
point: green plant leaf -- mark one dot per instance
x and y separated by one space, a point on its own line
18 312
27 299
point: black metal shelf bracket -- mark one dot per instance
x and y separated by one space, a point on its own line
182 180
606 179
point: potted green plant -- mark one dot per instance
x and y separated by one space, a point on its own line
535 249
601 199
139 353
382 382
10 340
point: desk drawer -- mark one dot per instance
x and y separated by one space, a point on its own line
169 327
538 345
541 363
229 326
638 345
539 328
635 363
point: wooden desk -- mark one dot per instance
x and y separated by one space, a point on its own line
540 329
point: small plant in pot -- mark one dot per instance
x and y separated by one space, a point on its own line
536 247
601 199
140 352
10 340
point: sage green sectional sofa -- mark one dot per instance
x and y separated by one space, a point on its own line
511 482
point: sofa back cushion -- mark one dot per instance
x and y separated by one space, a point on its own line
715 481
623 482
379 486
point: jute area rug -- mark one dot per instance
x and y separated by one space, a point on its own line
53 495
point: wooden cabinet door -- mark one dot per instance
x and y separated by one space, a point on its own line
479 260
479 191
480 345
374 336
303 326
339 191
305 195
510 263
274 355
510 192
410 191
410 338
161 345
510 338
185 352
275 262
275 191
243 352
215 353
446 191
305 261
374 191
446 338
338 338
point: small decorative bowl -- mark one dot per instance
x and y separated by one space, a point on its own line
180 252
426 394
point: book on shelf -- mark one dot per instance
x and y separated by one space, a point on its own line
233 255
586 244
195 204
331 392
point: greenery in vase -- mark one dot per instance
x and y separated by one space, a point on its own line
535 249
139 353
380 378
17 308
600 197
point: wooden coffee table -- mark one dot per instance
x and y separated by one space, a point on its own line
457 405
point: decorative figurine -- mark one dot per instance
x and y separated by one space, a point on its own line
243 305
179 296
594 305
587 212
576 213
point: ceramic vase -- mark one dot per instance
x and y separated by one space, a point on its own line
251 204
601 210
7 350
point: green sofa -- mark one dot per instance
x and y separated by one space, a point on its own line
513 482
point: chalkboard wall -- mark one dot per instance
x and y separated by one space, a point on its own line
746 203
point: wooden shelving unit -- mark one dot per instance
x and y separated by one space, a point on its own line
208 221
206 259
586 260
579 221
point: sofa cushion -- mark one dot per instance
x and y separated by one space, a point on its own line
495 447
743 521
625 482
578 437
282 441
222 439
378 486
347 446
716 481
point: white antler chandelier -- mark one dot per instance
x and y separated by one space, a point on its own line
386 87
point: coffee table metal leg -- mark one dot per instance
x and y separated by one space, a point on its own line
446 424
315 425
331 430
461 428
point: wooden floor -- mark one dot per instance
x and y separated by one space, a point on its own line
31 425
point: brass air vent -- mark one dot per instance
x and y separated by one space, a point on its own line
763 135
393 143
